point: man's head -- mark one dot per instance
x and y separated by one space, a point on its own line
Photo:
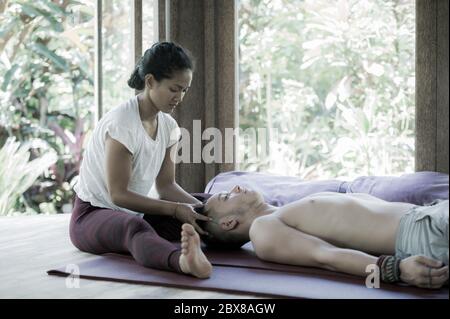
232 213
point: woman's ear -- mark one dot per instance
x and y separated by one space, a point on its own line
229 222
149 81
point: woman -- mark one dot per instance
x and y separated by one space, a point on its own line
128 152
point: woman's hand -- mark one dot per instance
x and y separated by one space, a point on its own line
423 272
185 213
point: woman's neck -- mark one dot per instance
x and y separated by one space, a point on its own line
147 109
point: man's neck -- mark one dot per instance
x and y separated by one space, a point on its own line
264 209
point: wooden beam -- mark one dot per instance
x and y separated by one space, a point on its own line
98 62
136 34
432 96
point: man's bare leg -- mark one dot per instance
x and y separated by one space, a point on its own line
192 259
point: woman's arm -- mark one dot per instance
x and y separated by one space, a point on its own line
166 185
118 172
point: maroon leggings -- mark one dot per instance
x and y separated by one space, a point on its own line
99 230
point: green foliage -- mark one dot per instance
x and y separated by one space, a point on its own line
47 87
47 90
18 173
335 79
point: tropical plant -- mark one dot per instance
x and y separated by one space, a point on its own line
47 88
334 83
18 172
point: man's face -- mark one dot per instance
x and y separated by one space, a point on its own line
238 201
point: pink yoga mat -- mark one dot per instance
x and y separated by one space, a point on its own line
241 272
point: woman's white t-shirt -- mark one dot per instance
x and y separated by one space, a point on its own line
123 124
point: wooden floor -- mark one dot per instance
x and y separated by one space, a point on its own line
31 245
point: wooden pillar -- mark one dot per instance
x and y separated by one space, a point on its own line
98 85
432 96
208 30
136 33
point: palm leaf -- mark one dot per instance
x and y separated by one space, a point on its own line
56 59
17 173
33 11
8 76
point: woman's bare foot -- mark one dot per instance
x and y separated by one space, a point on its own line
192 259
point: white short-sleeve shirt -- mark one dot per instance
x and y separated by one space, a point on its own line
123 124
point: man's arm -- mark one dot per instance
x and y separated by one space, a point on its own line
275 241
420 271
348 261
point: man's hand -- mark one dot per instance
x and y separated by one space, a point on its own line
423 272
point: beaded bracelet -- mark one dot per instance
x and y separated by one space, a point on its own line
389 268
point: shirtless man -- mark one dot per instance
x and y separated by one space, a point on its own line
334 231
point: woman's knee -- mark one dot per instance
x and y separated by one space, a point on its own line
74 230
81 242
137 225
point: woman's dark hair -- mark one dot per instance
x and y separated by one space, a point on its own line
161 60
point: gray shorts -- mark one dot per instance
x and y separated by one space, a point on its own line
424 231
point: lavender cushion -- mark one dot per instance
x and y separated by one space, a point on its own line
417 188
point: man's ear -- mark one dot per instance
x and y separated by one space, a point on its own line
229 222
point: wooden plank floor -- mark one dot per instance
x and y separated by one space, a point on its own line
31 245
